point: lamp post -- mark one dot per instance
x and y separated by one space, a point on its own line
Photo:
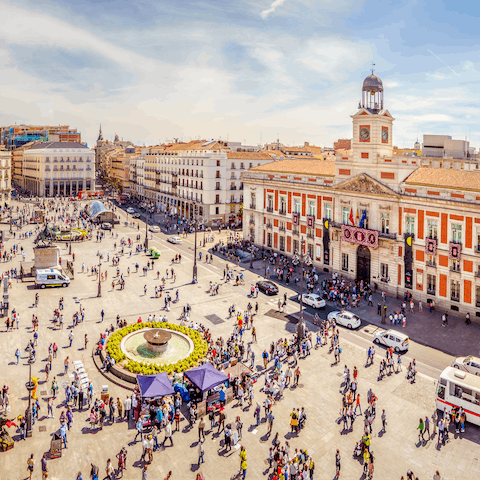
146 226
99 293
251 251
30 386
195 249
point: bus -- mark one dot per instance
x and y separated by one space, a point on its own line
84 195
457 389
122 198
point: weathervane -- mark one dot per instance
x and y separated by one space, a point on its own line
372 67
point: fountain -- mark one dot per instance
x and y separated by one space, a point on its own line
157 340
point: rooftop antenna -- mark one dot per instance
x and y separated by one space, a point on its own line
373 68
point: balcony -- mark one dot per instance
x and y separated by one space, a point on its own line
218 188
455 298
174 184
269 225
218 176
281 228
295 231
282 248
217 202
252 221
455 269
253 206
430 291
431 264
242 167
478 248
311 235
233 188
270 209
390 236
477 303
477 274
282 211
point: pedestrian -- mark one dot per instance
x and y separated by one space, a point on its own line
17 354
201 452
201 429
337 463
30 466
421 427
384 421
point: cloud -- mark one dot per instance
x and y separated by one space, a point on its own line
274 5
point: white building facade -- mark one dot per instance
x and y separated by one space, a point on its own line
59 169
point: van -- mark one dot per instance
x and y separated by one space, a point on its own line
51 278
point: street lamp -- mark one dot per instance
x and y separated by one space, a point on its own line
195 250
146 226
30 386
99 293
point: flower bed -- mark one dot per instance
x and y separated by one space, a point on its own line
144 368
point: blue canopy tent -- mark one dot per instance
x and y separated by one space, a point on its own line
206 377
155 386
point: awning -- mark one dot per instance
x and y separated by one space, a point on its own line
206 377
155 386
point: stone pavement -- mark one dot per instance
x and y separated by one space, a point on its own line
396 450
425 328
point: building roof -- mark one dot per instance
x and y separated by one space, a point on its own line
445 178
49 145
295 149
249 155
298 166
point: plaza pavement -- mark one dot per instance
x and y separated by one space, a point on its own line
396 450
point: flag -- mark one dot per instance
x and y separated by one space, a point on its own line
363 219
351 216
356 219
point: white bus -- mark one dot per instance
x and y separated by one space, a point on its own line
459 389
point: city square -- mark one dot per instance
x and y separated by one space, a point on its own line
396 450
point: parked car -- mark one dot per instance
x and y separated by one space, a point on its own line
136 215
174 240
392 338
267 287
106 226
468 364
346 319
313 300
154 228
130 210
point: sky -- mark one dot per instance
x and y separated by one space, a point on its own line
244 70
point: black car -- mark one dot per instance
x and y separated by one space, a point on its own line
267 287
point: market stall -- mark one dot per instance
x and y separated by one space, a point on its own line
209 387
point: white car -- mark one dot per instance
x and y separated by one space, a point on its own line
175 240
391 338
130 210
346 319
467 364
313 300
154 228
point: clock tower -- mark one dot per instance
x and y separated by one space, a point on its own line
372 124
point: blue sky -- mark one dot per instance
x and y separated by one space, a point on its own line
247 70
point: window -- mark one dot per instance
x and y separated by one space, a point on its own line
241 166
269 239
455 290
318 253
296 246
432 228
431 261
384 271
385 223
410 227
250 165
477 296
328 211
310 250
283 205
457 233
311 208
217 199
455 265
252 206
233 165
218 163
270 203
217 186
296 205
282 244
217 210
217 174
345 215
345 262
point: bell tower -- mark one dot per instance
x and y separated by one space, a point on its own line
372 124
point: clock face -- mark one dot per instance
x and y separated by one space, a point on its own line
385 134
364 133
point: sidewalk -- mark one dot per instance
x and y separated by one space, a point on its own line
425 328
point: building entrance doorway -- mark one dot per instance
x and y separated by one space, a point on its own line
363 263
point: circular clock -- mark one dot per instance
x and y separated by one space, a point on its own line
385 135
364 133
